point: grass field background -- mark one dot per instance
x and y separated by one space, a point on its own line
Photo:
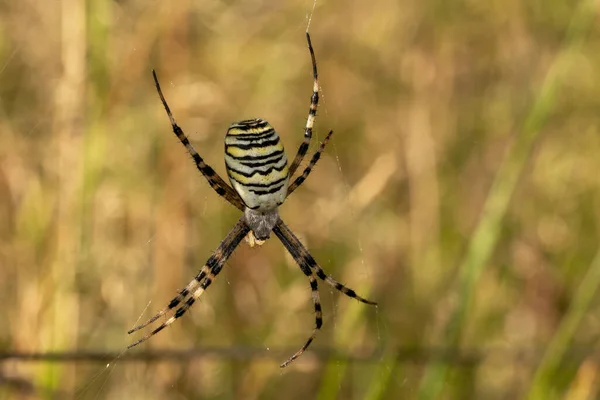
460 191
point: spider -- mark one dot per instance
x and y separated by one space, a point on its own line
258 171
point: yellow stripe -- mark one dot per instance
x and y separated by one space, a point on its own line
236 152
248 131
260 179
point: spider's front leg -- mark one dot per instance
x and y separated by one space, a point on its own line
313 161
312 111
214 180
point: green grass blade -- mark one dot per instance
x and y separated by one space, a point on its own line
488 230
542 381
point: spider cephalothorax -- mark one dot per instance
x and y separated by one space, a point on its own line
260 182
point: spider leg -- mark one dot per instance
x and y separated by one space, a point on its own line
204 278
299 180
303 257
318 314
312 112
214 180
191 287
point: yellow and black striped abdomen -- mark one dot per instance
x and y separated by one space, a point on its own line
256 164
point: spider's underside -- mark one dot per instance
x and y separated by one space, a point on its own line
258 171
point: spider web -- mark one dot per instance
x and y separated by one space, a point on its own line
344 317
350 319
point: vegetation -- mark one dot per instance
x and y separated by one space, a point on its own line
460 191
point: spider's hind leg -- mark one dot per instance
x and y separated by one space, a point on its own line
344 289
318 316
201 282
303 257
183 293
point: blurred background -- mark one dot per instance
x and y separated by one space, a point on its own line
460 191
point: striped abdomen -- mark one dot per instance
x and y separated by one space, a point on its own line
256 164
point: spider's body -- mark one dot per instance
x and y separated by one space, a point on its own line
256 164
257 167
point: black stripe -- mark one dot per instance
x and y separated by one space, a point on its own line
264 142
154 332
208 281
319 272
260 185
263 173
261 192
251 136
261 164
182 138
211 262
178 299
308 342
185 307
248 124
250 146
198 279
206 170
255 158
302 150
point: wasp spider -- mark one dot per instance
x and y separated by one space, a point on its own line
257 168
